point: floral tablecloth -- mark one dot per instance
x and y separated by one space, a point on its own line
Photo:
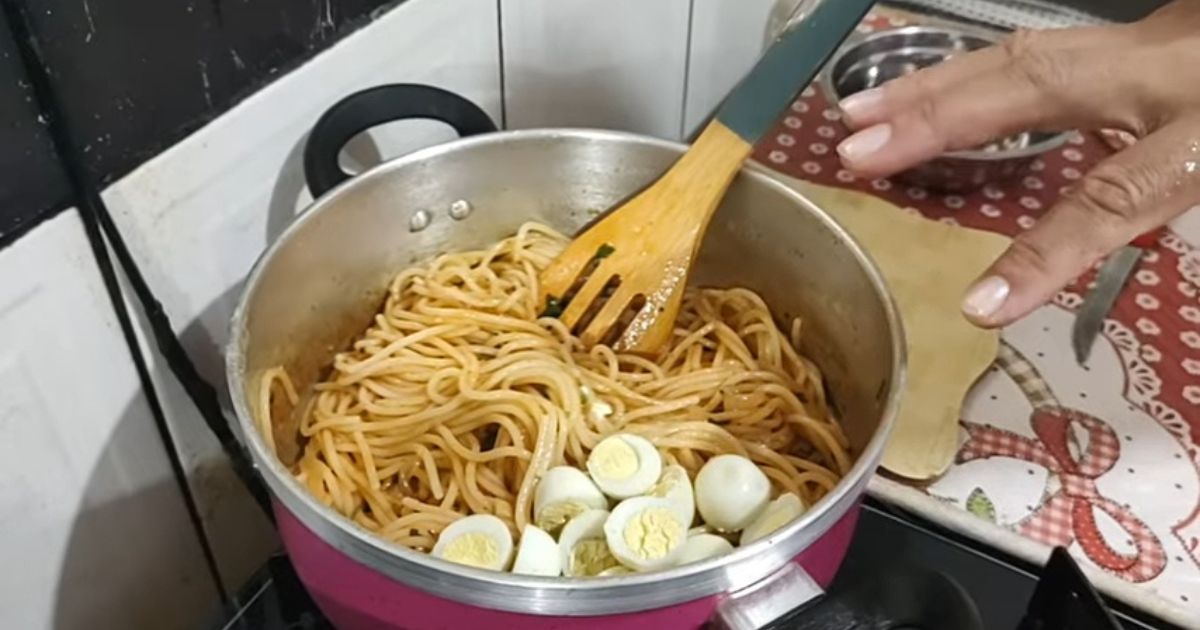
1100 458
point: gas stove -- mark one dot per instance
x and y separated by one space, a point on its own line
902 573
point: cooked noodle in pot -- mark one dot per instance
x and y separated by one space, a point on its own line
460 396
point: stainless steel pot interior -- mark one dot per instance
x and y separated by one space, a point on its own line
317 287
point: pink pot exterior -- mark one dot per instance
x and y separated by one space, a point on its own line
356 597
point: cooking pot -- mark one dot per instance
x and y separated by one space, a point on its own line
319 285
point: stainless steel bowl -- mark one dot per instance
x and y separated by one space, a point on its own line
867 61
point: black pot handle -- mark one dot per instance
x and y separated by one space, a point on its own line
371 107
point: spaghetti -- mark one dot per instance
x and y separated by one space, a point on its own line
459 397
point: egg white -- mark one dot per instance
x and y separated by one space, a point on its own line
537 553
731 492
675 486
587 526
666 537
597 409
783 510
702 547
486 525
647 467
563 493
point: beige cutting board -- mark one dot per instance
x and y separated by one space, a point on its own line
928 266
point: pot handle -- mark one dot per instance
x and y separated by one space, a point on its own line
767 600
790 598
386 103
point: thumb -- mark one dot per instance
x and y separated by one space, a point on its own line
1131 193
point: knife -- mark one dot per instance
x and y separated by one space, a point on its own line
1089 320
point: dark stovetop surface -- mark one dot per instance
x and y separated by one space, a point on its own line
889 548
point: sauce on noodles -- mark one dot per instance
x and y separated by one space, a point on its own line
459 397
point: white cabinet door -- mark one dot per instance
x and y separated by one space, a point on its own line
619 64
198 215
727 40
93 529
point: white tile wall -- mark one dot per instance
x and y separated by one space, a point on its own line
727 39
198 215
91 516
619 64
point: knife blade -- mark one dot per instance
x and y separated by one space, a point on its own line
1109 280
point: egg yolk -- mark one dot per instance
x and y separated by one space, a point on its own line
556 515
591 557
477 550
653 533
614 459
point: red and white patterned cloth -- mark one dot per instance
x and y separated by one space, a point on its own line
1101 458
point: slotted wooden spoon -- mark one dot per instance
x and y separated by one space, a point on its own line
621 280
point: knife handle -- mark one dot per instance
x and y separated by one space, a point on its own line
1147 240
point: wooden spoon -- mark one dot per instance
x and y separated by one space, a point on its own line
621 281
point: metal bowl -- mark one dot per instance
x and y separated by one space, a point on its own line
868 61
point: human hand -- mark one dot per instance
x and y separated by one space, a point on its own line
1141 78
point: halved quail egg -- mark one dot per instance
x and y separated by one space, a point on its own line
624 465
645 533
562 494
676 488
480 540
582 550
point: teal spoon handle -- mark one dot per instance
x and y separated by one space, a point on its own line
788 66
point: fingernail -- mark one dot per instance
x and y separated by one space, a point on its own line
985 297
860 104
865 142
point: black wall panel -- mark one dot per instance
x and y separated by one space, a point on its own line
136 76
31 183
